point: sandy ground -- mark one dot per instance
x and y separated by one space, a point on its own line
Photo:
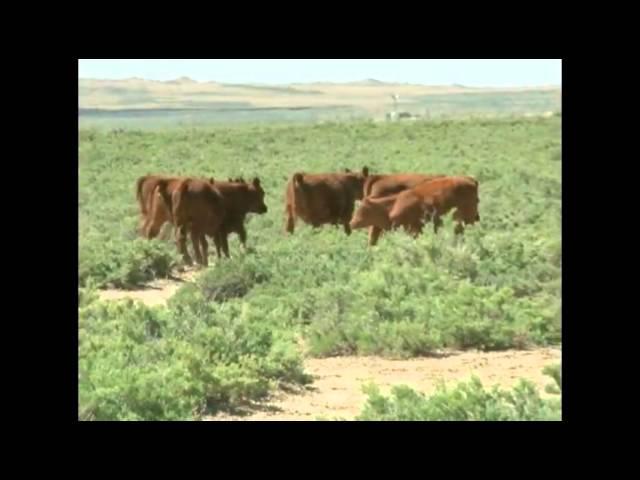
337 388
153 293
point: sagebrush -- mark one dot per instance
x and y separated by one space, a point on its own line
466 401
498 287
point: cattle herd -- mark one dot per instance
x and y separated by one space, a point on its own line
202 207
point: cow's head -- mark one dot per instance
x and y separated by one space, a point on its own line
369 214
255 197
467 213
356 180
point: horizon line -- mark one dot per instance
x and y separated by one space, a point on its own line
187 78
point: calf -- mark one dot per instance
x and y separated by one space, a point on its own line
197 207
384 185
154 213
239 198
435 198
320 199
374 213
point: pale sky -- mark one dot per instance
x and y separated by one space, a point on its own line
473 73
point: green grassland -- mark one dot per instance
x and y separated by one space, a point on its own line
233 336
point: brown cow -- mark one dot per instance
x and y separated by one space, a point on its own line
326 198
435 198
154 212
197 207
374 213
189 207
240 198
384 185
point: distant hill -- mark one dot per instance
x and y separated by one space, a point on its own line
369 97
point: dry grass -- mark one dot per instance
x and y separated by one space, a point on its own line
186 93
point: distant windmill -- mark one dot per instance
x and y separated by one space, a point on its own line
395 98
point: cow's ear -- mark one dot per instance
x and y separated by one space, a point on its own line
256 182
230 179
347 170
365 171
211 180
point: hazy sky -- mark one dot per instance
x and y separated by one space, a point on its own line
475 73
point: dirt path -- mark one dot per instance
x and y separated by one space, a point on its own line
156 292
337 388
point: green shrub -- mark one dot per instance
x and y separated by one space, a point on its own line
555 372
466 401
121 265
141 363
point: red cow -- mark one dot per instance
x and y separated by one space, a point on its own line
216 210
435 198
153 210
390 184
197 207
323 198
374 213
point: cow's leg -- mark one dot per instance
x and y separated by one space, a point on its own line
374 234
462 217
222 242
166 232
347 214
218 242
147 226
437 223
181 242
154 229
416 229
225 244
345 222
142 225
291 221
195 241
205 249
242 235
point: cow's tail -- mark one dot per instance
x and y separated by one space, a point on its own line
178 197
139 184
161 188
